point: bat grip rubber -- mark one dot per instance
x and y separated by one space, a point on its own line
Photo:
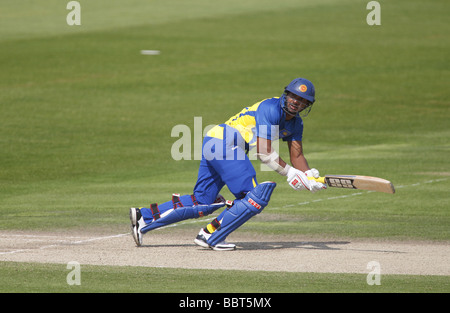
319 180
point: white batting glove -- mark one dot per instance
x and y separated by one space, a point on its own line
298 180
315 186
312 173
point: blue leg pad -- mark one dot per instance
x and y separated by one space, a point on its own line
242 210
182 213
156 210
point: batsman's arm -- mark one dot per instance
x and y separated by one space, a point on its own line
295 177
298 160
267 155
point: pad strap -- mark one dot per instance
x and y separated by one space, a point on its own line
194 200
155 211
176 201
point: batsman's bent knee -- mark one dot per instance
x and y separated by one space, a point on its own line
242 210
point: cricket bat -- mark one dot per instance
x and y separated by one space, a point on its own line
357 182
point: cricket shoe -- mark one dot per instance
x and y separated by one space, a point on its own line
137 223
202 241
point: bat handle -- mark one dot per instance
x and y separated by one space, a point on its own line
319 180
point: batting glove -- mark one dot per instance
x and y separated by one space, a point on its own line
315 186
298 180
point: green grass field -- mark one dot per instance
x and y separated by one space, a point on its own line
86 120
28 277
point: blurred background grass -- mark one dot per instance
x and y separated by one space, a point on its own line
85 119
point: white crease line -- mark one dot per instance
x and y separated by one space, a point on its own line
68 242
14 251
35 236
62 242
98 238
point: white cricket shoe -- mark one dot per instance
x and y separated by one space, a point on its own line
137 223
224 246
202 241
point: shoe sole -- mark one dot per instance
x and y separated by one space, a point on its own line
133 217
201 243
223 248
134 230
135 236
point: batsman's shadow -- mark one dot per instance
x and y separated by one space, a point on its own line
274 245
269 245
168 245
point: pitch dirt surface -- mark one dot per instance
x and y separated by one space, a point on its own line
175 248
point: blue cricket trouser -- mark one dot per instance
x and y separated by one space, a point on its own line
224 162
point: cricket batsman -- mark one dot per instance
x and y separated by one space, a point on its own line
225 162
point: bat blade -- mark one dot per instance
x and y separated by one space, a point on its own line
358 182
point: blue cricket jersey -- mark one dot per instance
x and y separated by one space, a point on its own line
265 119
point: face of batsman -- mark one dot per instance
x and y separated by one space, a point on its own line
298 96
295 104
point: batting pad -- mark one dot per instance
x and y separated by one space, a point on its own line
242 210
182 213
